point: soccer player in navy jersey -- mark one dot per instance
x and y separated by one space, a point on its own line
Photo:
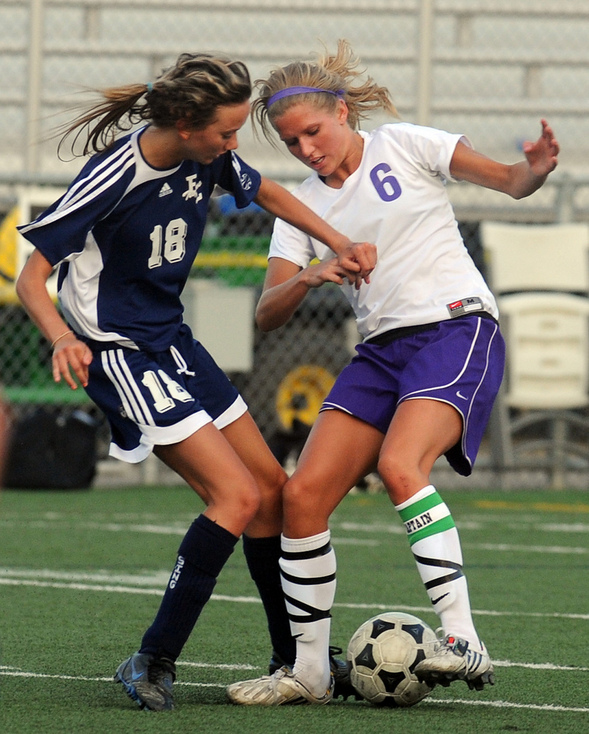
125 235
427 371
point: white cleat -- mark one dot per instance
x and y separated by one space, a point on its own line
454 659
277 689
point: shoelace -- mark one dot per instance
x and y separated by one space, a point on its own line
448 642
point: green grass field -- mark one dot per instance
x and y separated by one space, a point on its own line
83 573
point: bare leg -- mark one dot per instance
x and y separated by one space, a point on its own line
261 539
421 431
340 450
208 463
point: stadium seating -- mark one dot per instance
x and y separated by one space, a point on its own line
540 275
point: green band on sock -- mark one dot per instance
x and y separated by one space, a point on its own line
417 508
446 523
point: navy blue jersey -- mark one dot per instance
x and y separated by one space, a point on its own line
126 235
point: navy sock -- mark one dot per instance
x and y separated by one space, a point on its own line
262 556
201 556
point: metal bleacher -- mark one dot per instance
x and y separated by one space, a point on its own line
489 70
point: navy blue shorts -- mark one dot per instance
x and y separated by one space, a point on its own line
160 398
459 362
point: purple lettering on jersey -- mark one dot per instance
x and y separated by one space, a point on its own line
387 186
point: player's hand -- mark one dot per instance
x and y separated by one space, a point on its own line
359 258
542 156
328 271
71 355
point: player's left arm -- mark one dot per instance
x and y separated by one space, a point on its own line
517 180
68 351
358 258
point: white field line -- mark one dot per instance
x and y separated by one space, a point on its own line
538 666
220 666
155 585
17 673
509 705
9 672
55 521
389 529
557 549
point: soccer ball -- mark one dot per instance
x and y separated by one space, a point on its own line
382 656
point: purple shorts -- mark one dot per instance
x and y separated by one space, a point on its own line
459 362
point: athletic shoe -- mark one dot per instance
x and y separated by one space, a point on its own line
148 680
340 670
278 689
455 660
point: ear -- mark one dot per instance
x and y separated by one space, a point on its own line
183 129
342 111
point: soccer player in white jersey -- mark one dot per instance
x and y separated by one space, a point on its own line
428 368
125 234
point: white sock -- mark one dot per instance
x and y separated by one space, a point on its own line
436 546
308 580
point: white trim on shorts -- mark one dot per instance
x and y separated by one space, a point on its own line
152 435
133 402
237 408
160 436
416 394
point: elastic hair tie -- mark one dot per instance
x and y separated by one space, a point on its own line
290 91
149 86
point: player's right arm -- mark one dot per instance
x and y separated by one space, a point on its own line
286 285
68 352
359 258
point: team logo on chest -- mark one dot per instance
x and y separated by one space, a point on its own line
193 189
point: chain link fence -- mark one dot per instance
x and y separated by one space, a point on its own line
488 70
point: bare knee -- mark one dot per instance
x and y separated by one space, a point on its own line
247 501
304 511
235 506
296 495
401 477
271 483
268 518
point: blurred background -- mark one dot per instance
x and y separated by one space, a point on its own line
489 70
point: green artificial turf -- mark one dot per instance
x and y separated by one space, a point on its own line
82 575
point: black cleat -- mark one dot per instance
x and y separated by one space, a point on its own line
340 670
148 680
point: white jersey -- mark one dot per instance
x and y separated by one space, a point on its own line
397 200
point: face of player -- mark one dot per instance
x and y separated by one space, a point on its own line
320 139
205 145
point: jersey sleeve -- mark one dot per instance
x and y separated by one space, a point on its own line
239 179
61 231
431 148
291 244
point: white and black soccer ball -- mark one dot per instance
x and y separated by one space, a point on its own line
382 656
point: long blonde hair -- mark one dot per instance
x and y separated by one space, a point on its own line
336 73
191 90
